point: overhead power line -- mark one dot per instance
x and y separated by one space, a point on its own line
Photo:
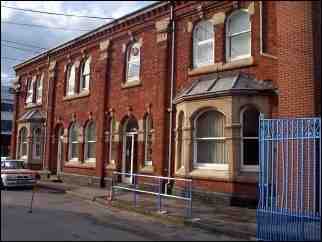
24 44
61 14
22 49
13 59
42 26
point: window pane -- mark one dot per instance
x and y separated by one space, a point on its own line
204 53
239 22
251 152
74 150
91 132
240 45
71 80
91 150
210 151
210 124
37 152
250 123
134 70
74 134
24 149
6 107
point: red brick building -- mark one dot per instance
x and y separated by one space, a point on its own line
170 90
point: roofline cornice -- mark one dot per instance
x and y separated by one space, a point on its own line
98 31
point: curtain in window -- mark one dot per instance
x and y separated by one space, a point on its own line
209 138
112 143
238 35
71 80
203 44
90 141
85 77
147 140
73 142
133 66
250 136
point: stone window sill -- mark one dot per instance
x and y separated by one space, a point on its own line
77 164
211 174
147 169
131 84
32 105
76 96
111 166
219 66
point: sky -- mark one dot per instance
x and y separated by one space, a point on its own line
50 38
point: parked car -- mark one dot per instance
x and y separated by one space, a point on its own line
14 174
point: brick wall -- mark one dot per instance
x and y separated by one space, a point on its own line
284 36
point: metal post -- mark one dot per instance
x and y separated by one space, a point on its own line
32 198
159 195
134 196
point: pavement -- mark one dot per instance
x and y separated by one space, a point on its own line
238 222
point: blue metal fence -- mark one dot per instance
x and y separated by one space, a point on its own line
289 184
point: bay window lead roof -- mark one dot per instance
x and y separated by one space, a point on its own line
32 116
225 84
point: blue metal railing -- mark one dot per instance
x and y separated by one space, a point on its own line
187 194
289 184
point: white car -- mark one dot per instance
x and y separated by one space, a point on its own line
14 174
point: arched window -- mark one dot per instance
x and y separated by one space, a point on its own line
180 141
23 143
36 143
133 62
209 140
203 44
90 141
71 80
73 153
147 140
30 89
39 86
85 74
238 35
249 138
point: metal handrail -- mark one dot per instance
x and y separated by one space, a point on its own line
161 177
159 194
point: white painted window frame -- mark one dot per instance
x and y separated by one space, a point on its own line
230 35
70 143
88 142
30 91
35 143
85 82
39 89
71 83
130 61
196 164
21 143
147 131
196 44
243 167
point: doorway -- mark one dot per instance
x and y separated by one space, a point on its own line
129 150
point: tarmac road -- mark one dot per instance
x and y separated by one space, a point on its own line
61 217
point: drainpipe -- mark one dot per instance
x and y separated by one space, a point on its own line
46 122
171 93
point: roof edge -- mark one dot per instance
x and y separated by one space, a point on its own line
92 32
